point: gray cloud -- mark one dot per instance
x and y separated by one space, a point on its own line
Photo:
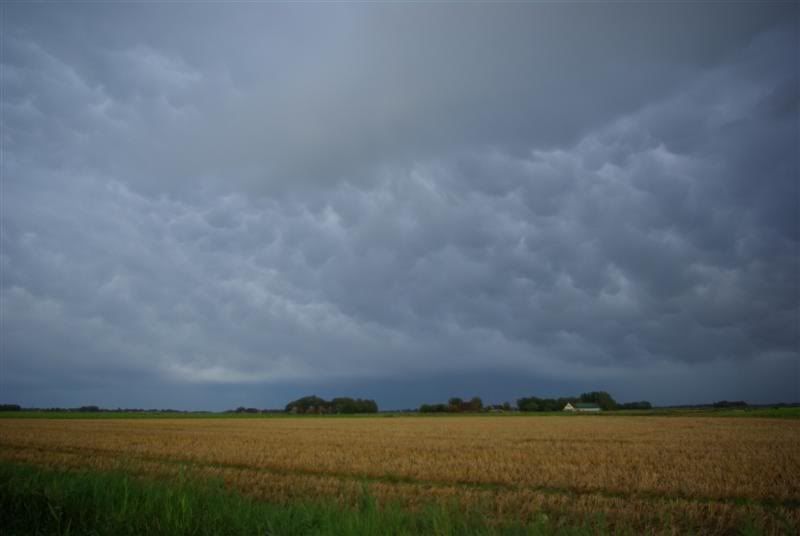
340 196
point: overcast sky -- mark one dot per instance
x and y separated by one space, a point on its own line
214 205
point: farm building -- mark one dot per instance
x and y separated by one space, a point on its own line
582 407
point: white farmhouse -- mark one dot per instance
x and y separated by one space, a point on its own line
587 408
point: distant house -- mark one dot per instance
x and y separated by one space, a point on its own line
580 407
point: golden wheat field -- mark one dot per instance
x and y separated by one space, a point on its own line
712 475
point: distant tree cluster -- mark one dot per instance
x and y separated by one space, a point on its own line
505 406
242 409
353 405
534 403
433 408
98 409
316 405
10 407
601 398
723 404
454 405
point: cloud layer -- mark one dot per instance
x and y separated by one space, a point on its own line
392 195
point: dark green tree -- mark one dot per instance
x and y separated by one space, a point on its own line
308 404
601 398
475 403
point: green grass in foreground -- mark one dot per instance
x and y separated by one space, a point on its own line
46 501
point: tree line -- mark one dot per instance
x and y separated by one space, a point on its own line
602 399
316 405
90 409
533 403
454 405
346 405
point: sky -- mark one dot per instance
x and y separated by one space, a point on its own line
212 205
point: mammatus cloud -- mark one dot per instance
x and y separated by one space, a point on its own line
374 217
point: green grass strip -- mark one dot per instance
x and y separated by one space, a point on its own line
47 501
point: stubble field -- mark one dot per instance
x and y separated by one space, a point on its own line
698 474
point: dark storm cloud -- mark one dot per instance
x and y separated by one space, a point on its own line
269 97
367 195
